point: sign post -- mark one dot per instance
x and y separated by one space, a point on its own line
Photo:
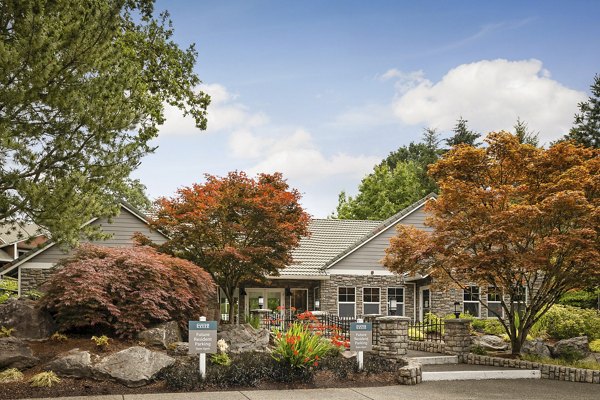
202 340
361 339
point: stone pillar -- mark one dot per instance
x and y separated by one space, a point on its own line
392 337
457 339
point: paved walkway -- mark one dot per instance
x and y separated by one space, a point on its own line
525 389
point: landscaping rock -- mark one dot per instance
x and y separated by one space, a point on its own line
244 337
348 354
490 342
27 319
161 335
74 364
536 347
577 347
133 367
15 353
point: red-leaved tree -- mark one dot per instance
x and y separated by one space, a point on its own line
237 228
126 290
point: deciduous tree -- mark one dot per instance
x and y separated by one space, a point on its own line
514 217
83 84
237 228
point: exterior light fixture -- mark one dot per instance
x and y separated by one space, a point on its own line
317 304
457 309
393 304
261 302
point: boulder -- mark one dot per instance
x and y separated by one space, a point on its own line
573 348
161 335
15 353
490 342
536 347
75 364
133 367
244 337
27 319
179 348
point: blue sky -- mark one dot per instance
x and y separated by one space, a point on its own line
323 90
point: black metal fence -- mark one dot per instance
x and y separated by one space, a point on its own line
328 325
432 331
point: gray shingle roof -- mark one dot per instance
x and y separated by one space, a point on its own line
14 232
328 238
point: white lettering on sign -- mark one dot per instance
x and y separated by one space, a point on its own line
202 326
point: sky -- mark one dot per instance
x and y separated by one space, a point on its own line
324 90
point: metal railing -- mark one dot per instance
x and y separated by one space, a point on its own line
328 325
432 331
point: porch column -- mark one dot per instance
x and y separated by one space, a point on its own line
392 337
457 339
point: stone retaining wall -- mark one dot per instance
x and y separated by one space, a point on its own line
410 374
431 347
554 372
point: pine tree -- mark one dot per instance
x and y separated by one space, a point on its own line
586 129
462 134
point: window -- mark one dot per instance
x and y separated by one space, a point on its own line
519 298
346 302
494 302
371 301
471 300
397 294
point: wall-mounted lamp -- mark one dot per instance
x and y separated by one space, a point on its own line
393 304
457 309
261 302
317 304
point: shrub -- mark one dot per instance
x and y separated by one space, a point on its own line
126 290
11 375
299 346
563 322
101 342
44 379
580 298
595 346
493 327
58 337
6 332
478 349
8 288
416 334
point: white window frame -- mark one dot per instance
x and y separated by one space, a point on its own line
497 292
398 304
473 301
346 302
372 302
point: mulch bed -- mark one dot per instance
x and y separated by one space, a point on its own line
48 350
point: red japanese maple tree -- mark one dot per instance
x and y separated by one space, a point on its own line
235 227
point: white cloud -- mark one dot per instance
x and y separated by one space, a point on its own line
225 114
490 95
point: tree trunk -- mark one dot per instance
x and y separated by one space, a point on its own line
229 294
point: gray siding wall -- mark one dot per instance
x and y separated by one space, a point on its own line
122 228
369 255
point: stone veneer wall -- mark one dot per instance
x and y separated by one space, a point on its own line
392 337
329 292
33 278
457 338
431 347
554 372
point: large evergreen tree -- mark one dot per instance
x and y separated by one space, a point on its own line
462 134
586 129
83 84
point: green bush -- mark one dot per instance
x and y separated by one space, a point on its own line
299 346
595 346
563 322
493 327
580 298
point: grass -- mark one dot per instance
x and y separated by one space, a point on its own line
44 379
11 375
564 363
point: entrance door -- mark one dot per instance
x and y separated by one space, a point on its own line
425 295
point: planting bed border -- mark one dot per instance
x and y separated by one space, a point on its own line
553 372
426 345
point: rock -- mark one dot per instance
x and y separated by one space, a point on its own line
15 353
574 348
536 347
133 367
75 364
27 319
348 354
244 337
161 335
490 342
179 348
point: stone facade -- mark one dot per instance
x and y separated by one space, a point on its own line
428 346
457 339
554 372
392 337
34 278
410 374
329 292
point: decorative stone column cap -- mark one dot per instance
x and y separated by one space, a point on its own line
261 311
371 316
318 313
392 318
462 321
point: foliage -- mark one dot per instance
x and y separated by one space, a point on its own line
478 349
126 290
463 135
587 298
84 87
33 294
58 337
585 364
44 379
398 181
586 129
237 228
524 135
253 320
299 346
220 359
101 342
493 327
416 333
6 332
11 375
522 219
595 345
9 287
563 322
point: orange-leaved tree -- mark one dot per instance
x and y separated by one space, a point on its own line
235 227
520 219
